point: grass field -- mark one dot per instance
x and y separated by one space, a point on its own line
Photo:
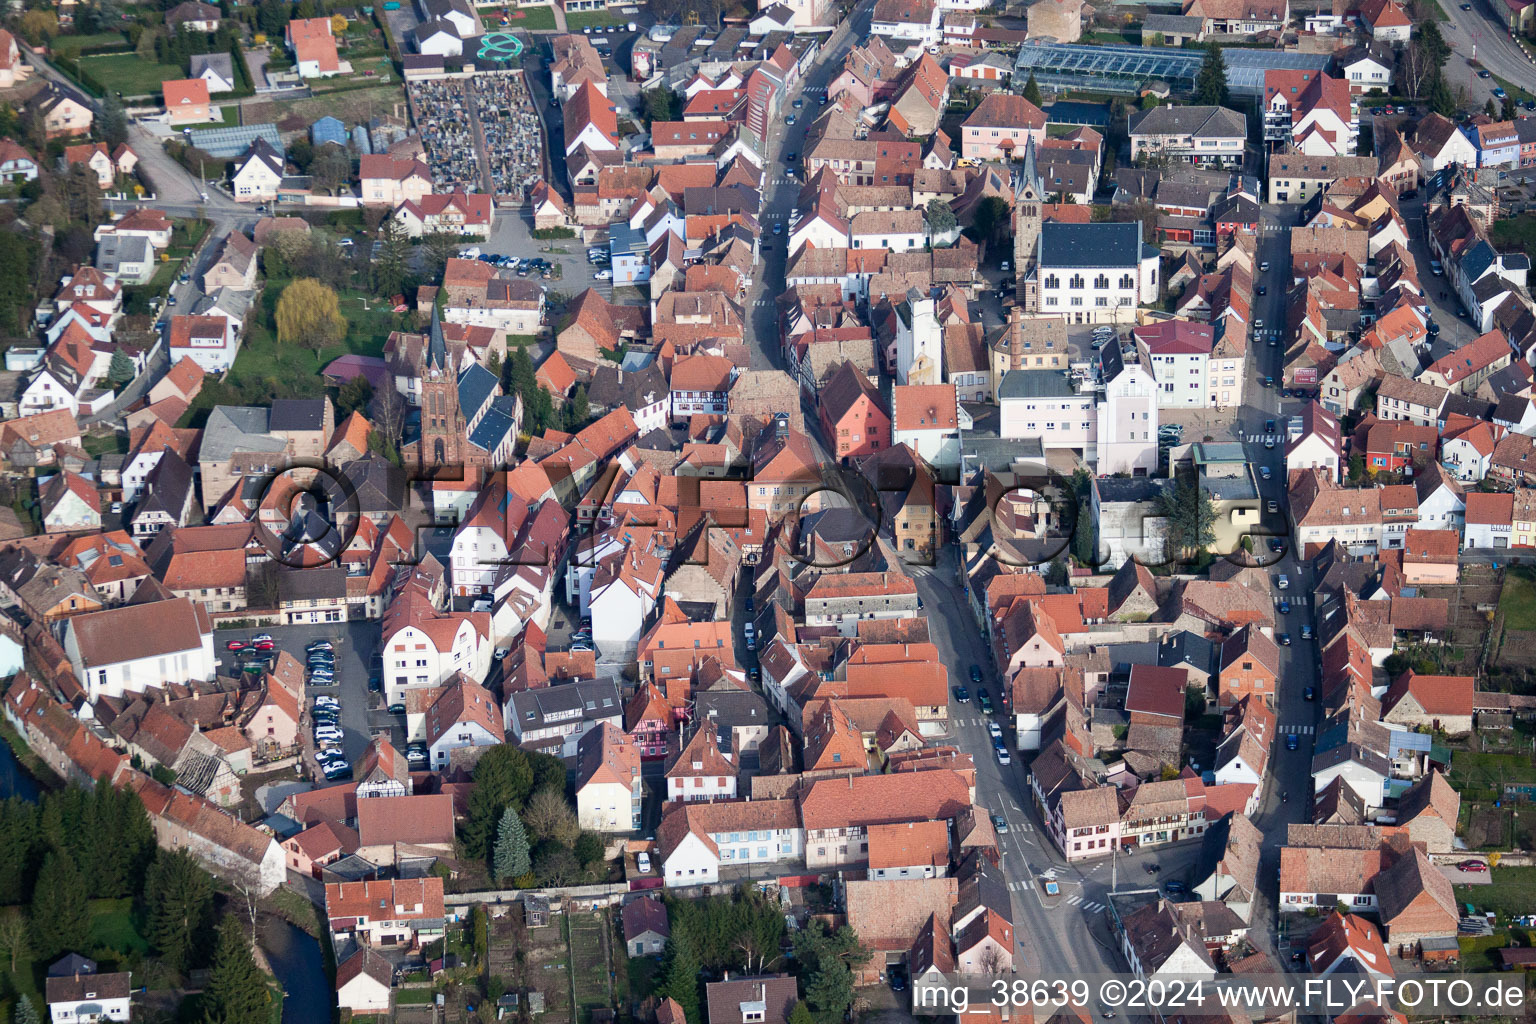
79 44
1513 891
129 73
112 927
528 19
577 20
1518 601
1489 771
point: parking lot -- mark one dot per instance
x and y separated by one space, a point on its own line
362 714
512 235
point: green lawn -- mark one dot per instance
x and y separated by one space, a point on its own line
1489 771
129 73
266 367
82 43
1518 600
527 19
577 20
1513 891
112 927
1515 91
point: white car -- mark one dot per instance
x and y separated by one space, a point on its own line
603 275
1283 582
324 701
328 733
643 861
995 731
501 652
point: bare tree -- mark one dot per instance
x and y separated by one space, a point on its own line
388 408
991 960
1416 67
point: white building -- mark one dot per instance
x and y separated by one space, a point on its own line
1094 273
1049 405
137 646
1178 353
83 998
464 715
608 783
694 840
423 648
258 173
919 341
555 718
1127 415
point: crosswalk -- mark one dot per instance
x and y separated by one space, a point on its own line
1299 730
1089 905
1261 438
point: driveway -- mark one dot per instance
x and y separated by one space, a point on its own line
1460 877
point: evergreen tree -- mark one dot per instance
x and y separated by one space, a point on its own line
120 369
827 959
1433 42
1509 113
520 374
680 974
18 838
178 909
1191 517
581 412
1211 82
26 1012
61 920
112 122
512 860
503 779
1032 91
1490 109
801 1014
1438 95
237 991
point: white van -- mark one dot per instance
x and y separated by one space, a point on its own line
643 861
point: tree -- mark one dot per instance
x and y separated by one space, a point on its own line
331 167
120 369
1509 112
1490 109
1191 516
26 1012
548 816
13 937
589 849
388 408
1032 91
502 779
1084 543
1211 82
178 909
38 26
1438 94
353 395
991 213
1434 43
237 991
511 860
827 959
555 864
941 219
662 105
548 772
1056 574
61 920
1414 67
309 314
801 1014
680 972
112 122
1150 100
436 250
391 264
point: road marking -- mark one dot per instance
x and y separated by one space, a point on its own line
1074 900
1300 730
1095 907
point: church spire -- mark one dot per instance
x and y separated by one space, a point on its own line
437 348
1029 177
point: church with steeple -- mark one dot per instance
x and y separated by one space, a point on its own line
463 419
1089 273
1028 196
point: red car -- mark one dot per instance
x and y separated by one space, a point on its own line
1473 865
235 645
264 645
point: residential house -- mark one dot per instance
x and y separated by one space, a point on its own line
608 783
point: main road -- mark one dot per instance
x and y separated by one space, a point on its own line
1479 33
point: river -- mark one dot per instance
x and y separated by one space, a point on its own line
299 965
14 781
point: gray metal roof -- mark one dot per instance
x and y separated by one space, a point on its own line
328 129
1089 245
1036 384
237 428
1200 122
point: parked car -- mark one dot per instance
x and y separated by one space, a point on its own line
501 652
985 700
320 645
1292 741
962 695
999 824
643 861
1174 888
976 674
1283 639
995 731
1310 693
396 709
1473 865
603 275
1003 757
235 645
